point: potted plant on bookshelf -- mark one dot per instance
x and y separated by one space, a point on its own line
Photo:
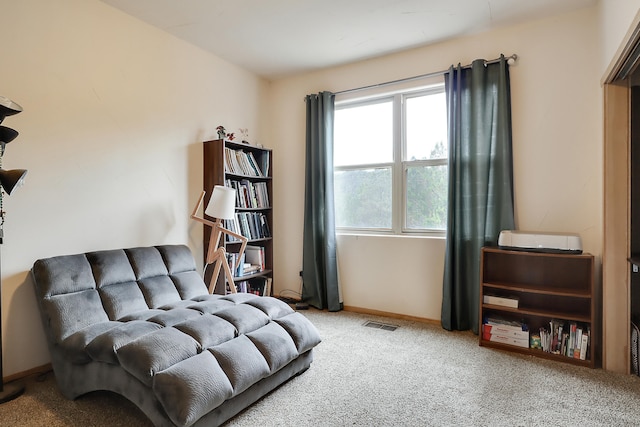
221 132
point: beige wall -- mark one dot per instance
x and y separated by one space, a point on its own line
557 136
617 19
114 113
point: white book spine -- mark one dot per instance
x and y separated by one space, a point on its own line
584 345
510 340
505 302
495 330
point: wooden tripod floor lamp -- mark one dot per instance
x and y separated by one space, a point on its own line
221 206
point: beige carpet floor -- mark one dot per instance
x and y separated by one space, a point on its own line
417 375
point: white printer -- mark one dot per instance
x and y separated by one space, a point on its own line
534 241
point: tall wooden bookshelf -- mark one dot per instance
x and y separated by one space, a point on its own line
543 288
220 169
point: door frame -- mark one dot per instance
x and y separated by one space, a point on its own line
616 317
616 244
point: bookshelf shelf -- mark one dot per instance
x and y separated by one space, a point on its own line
538 353
545 290
263 273
249 241
565 315
547 287
254 178
254 212
252 209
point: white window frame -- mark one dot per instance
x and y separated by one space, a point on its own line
399 166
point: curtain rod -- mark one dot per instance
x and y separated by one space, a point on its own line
510 59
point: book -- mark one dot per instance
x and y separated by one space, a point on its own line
502 301
256 286
239 162
584 346
254 164
555 336
510 340
578 344
255 256
262 194
241 286
251 221
265 163
572 339
251 269
232 164
266 232
238 263
506 331
513 324
267 287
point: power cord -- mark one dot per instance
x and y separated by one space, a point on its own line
297 301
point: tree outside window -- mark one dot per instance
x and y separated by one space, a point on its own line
390 159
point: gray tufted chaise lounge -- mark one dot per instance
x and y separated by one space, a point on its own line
139 322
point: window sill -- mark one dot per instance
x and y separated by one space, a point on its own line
436 236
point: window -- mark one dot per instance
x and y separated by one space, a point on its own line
390 160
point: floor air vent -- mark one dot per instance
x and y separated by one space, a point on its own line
378 325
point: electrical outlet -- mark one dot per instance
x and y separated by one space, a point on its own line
634 268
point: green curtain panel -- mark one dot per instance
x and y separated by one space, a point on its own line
319 263
480 182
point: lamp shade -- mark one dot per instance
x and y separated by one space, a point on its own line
222 203
7 134
8 108
10 179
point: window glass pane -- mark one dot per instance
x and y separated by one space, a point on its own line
426 197
426 127
363 134
363 198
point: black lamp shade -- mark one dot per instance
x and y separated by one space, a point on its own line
7 134
8 108
10 179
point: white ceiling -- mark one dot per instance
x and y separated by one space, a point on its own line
275 38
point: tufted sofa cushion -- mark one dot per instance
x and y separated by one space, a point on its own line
147 312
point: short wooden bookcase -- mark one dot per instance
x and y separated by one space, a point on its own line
547 286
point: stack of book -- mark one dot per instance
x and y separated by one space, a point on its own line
239 162
252 225
258 286
249 194
566 339
255 255
240 266
505 332
236 264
